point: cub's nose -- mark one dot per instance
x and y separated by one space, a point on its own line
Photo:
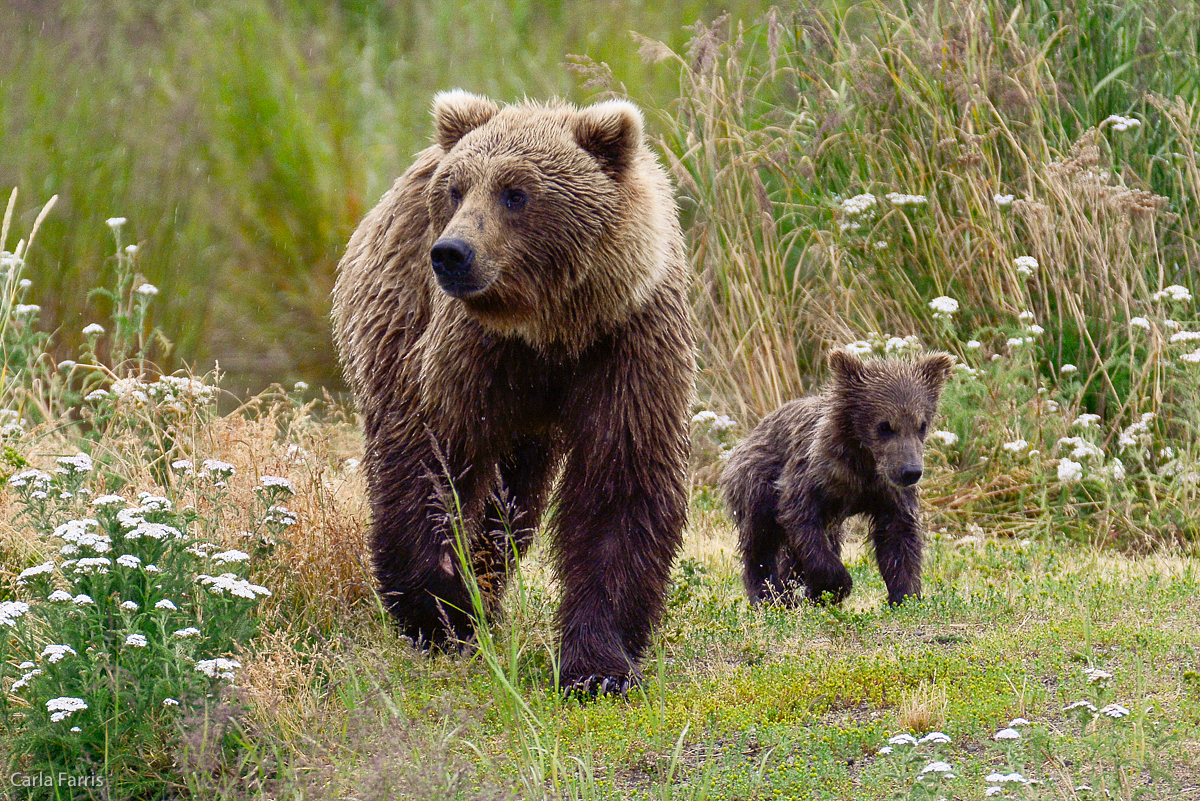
452 258
910 475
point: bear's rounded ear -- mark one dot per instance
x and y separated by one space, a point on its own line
845 365
611 132
456 113
936 368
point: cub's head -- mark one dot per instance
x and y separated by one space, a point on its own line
888 406
537 206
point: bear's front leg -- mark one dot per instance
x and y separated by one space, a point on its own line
897 537
417 503
622 506
812 544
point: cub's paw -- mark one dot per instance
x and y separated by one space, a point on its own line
585 688
830 585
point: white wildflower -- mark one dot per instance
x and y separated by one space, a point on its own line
1008 734
887 749
1016 446
938 767
1096 675
115 222
218 668
224 557
1025 264
190 631
1068 368
1002 200
945 437
1036 329
974 344
55 652
943 307
26 308
858 204
129 560
147 290
93 330
233 584
859 348
64 707
82 599
10 611
898 199
1081 448
39 570
902 739
1018 722
130 606
170 702
108 500
935 737
1115 711
79 463
136 641
1088 705
1174 292
1116 470
166 604
1140 322
1069 470
58 596
92 565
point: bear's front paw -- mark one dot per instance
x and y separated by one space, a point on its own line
592 686
831 584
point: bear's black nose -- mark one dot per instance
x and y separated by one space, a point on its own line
452 258
910 475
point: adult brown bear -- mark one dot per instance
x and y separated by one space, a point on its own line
514 310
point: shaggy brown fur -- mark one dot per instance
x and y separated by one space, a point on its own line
513 310
855 448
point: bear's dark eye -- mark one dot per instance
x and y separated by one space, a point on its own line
885 429
924 428
514 199
455 195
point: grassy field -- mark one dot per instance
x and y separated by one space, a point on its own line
185 604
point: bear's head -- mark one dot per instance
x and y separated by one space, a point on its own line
546 219
888 406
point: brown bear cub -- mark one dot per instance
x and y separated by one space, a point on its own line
854 448
513 319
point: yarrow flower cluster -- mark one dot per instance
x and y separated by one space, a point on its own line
1120 123
943 307
62 708
858 204
232 584
901 199
717 423
219 668
945 437
1174 292
1069 471
1025 264
10 611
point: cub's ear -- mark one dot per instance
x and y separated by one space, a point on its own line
456 113
846 366
936 368
611 132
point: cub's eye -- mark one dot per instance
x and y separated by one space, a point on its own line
455 195
885 429
514 199
924 428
